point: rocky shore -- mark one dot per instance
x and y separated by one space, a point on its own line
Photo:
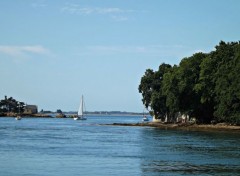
221 127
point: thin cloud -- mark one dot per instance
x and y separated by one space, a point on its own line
151 50
115 13
119 49
119 18
21 51
39 4
77 9
109 10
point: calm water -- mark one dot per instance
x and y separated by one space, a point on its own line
64 147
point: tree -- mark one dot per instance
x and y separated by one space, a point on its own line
227 82
171 91
151 89
11 105
59 111
146 87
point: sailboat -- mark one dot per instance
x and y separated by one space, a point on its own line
80 114
145 118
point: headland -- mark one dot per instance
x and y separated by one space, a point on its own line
220 127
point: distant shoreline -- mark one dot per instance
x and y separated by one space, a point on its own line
29 116
53 114
221 127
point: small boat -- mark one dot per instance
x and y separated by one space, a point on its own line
145 119
18 117
80 115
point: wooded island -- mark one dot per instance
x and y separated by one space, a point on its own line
205 86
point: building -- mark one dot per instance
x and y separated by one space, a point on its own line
30 109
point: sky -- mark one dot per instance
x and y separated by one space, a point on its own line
52 52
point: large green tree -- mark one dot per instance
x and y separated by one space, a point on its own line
227 82
171 92
151 89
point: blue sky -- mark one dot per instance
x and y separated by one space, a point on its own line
52 52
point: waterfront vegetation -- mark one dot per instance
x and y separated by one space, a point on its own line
11 106
205 86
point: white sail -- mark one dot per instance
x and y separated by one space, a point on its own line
80 114
80 110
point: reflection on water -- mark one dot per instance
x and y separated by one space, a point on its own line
182 168
189 153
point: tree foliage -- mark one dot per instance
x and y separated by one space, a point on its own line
11 105
205 86
151 89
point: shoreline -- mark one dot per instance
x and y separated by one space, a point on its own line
221 127
28 116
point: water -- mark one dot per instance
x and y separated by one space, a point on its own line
60 147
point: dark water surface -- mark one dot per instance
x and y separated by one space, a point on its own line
64 147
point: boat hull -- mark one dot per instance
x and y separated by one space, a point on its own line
18 118
145 119
79 118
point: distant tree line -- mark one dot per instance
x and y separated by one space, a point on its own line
205 86
10 105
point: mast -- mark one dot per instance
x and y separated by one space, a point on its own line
82 106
